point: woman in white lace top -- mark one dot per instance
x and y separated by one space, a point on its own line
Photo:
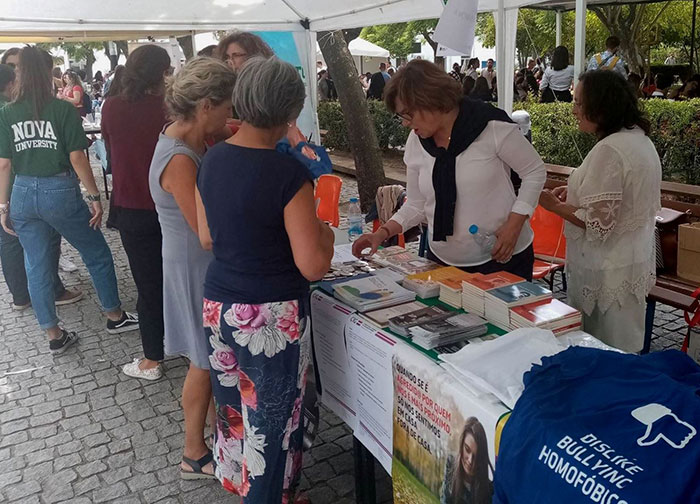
610 205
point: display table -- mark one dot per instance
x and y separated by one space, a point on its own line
357 365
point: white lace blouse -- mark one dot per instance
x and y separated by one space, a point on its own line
617 191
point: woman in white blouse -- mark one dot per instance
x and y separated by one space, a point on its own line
556 81
459 158
610 205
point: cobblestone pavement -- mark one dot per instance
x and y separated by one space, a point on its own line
74 429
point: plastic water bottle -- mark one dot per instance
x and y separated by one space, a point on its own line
485 240
355 220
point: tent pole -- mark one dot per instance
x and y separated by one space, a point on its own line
501 52
558 19
580 39
194 43
693 50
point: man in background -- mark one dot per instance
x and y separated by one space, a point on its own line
489 73
456 73
609 59
385 74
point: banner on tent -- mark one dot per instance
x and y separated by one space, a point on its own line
292 47
455 29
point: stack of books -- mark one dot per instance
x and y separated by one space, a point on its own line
427 284
448 331
381 317
405 261
372 293
474 288
551 314
499 301
402 323
451 287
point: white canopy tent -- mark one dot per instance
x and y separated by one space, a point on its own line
42 20
362 47
47 17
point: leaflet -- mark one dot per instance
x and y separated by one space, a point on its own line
371 352
338 383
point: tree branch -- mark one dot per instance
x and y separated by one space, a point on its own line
661 11
352 34
600 13
429 40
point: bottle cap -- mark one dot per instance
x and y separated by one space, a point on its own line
473 229
353 200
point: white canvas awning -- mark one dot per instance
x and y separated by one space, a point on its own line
160 18
139 19
362 47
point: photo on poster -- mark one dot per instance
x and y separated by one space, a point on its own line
443 437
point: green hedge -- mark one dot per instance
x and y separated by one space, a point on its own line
390 133
675 133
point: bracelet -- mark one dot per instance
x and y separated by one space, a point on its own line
4 210
93 197
4 205
388 233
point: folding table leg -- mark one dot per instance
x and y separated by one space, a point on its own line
365 487
648 325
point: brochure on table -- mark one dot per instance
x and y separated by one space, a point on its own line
433 418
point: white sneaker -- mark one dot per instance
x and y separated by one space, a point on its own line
132 369
66 265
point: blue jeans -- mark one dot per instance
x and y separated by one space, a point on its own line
40 205
12 260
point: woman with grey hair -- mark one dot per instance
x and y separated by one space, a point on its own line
257 214
199 99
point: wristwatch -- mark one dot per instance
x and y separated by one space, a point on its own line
93 197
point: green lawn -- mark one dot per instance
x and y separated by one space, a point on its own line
407 489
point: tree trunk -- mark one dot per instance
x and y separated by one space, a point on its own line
187 46
439 60
89 61
122 48
113 58
361 134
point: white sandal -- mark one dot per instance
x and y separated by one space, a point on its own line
132 369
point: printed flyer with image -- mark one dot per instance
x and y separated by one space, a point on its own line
444 437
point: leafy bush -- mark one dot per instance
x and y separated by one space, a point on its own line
675 133
555 133
390 133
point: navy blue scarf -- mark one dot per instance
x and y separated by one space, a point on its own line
472 119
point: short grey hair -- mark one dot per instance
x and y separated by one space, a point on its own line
268 92
201 78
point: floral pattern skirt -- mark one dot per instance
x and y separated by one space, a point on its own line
259 356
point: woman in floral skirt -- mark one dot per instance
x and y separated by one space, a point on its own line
257 212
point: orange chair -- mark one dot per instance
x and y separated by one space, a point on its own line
327 195
549 245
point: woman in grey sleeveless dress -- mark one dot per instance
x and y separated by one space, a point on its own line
199 99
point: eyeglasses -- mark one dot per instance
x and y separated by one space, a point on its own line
233 56
403 116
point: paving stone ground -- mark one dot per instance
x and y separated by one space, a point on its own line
74 429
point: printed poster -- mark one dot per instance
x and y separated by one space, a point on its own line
444 438
338 387
292 47
371 351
